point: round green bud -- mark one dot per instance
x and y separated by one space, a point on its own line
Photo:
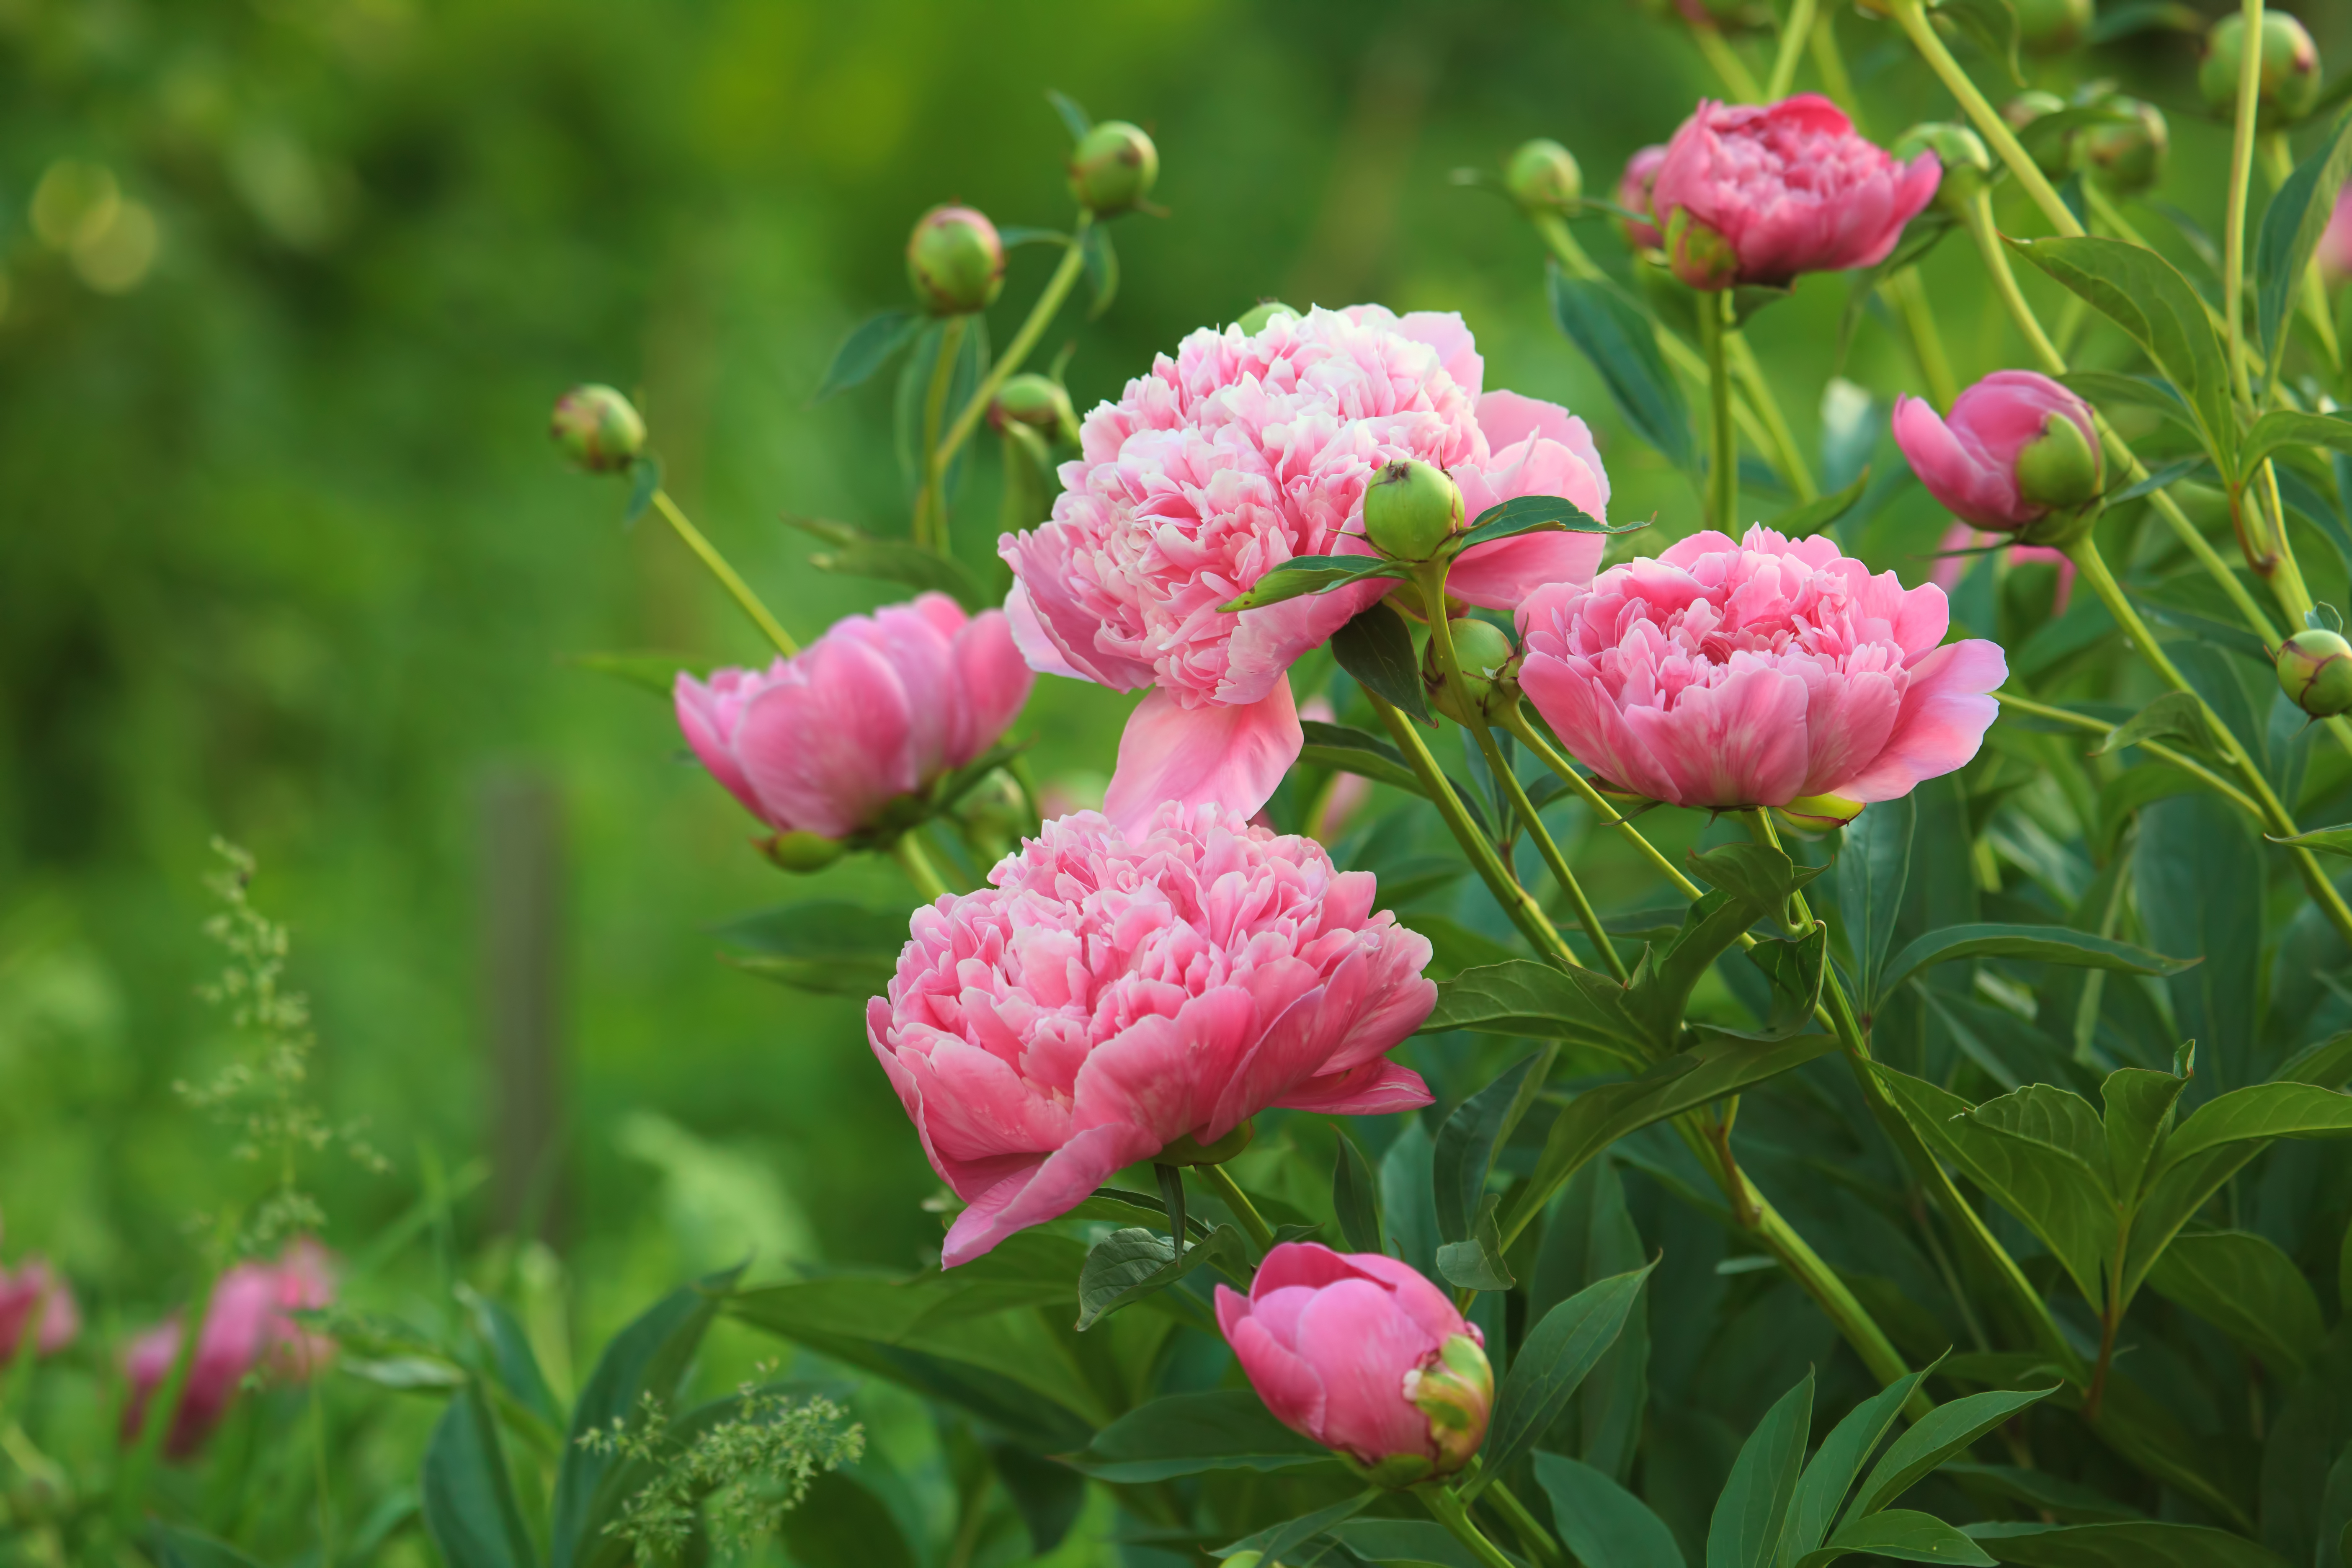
802 852
1698 256
2053 154
1961 152
1484 651
2052 26
1410 509
2289 73
2314 670
2127 156
1253 319
1037 401
1113 168
598 428
1542 176
955 262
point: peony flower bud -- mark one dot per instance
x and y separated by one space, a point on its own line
2128 158
1254 321
1362 1354
1037 401
1820 813
955 262
1484 651
1113 168
1542 176
2052 26
598 428
1410 509
2053 155
2314 670
2020 454
1961 152
2289 73
1634 187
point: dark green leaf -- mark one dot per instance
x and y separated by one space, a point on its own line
1873 863
1475 1262
2033 944
2139 1116
644 480
2291 228
2070 1502
820 945
2198 881
2132 1543
1130 1264
1405 1196
2286 427
1074 119
2175 715
1415 1540
1821 1488
2165 478
1467 1141
1991 25
1102 269
1272 1542
1533 514
1356 1199
512 1361
177 1546
1345 750
854 553
2245 1286
1557 1355
1526 997
468 1500
2328 840
1589 1236
1602 1522
1753 1509
1305 574
1376 647
1623 345
2056 1119
1904 1534
843 1522
1940 1434
1811 516
2107 387
867 349
1794 970
1186 1434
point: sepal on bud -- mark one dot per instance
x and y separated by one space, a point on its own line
1543 176
2289 73
2053 154
2314 670
1698 256
1818 813
2063 471
1410 509
955 262
1113 168
802 852
598 428
1456 1393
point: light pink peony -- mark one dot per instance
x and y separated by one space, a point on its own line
2334 251
247 1330
1951 567
1359 1352
1112 993
1233 456
1780 189
1634 188
35 1286
876 709
1756 673
1970 461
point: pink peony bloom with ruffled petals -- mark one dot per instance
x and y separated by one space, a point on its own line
248 1330
1950 567
36 1287
1776 189
1727 675
1970 460
1238 454
1110 992
1361 1353
1635 190
876 709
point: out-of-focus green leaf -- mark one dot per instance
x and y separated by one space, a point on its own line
1186 1434
1991 25
1808 518
867 349
2070 1502
1101 259
854 553
1753 1509
1622 341
177 1546
1074 119
2290 226
2289 427
468 1499
1356 1199
2245 1286
2329 840
2175 715
1348 750
2131 1544
656 672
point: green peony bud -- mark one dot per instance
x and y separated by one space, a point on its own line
1961 152
598 428
802 852
1253 319
1113 168
1485 652
1818 813
2314 670
955 262
2052 26
1037 401
1542 176
1410 509
1698 256
2289 75
2127 158
2054 155
1456 1393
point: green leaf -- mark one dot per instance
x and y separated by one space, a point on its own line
1873 863
2327 840
177 1546
843 1522
2287 428
1941 1433
821 945
469 1502
1753 1509
1602 1522
1186 1434
1272 1542
1415 1540
1102 269
867 349
1991 25
2142 293
1795 971
1348 750
2139 1117
1015 235
2055 1119
2106 387
2131 1544
2245 1286
1305 574
644 480
1623 345
1533 514
2175 715
656 672
1904 1534
1821 1489
854 553
1468 1139
1524 996
1130 1264
2291 225
2163 477
1074 119
1811 516
2198 879
2071 1501
2034 943
1475 1262
1376 647
1551 1362
1356 1199
2261 1111
512 1361
1589 1235
1752 883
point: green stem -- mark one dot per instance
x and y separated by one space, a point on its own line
1447 1510
1794 31
726 574
2242 176
1723 444
1739 81
1910 299
319 1443
1516 722
1912 16
907 850
1213 1177
2156 748
1041 315
1539 1542
1830 61
1757 391
930 500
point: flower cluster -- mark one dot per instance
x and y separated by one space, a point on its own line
247 1330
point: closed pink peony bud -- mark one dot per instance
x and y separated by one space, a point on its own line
1364 1355
1733 674
1110 994
248 1330
1243 451
2019 455
1767 193
1634 188
36 1288
872 712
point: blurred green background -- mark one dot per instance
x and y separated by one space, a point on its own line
288 559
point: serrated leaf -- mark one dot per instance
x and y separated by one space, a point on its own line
1752 1510
1602 1522
870 347
1305 574
2245 1286
1941 1433
2175 715
2290 226
1187 1434
1552 1361
1622 341
1376 647
2032 944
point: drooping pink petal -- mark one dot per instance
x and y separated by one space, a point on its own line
1232 757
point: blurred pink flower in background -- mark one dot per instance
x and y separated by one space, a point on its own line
1727 674
247 1330
1112 993
36 1287
1635 187
2016 447
876 709
2334 250
1238 454
1361 1353
1347 792
1951 568
1774 190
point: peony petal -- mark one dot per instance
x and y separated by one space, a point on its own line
1036 645
1360 1344
1057 1184
1946 712
1232 757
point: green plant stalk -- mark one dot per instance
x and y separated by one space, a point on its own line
1909 298
930 499
912 860
318 1445
1739 81
2156 748
1525 913
1722 443
1794 31
1213 1177
2242 178
1040 316
1830 61
1912 16
1755 390
728 579
1518 726
1539 1543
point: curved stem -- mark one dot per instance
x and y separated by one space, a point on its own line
1723 444
726 576
1757 393
1447 1510
1041 315
1912 16
2156 748
1517 724
931 500
1794 31
1213 1177
909 854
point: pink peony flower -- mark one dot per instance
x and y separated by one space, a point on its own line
1731 675
1951 568
1238 454
2017 446
1766 192
2334 251
36 1286
876 709
1359 1352
1112 993
1634 188
247 1331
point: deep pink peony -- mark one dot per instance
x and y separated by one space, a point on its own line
36 1287
1950 566
1756 673
1233 456
246 1329
2334 250
1635 187
876 709
1359 1352
1782 188
1970 461
1112 993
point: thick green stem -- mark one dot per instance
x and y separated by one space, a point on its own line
2156 748
2241 177
931 529
1041 315
1912 16
1910 300
1447 1510
1213 1177
1722 443
909 852
1794 30
1518 725
726 576
1757 392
